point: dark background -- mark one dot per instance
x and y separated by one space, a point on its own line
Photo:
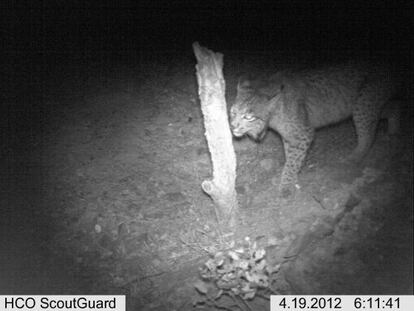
41 41
247 25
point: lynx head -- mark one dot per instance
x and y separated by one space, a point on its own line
249 113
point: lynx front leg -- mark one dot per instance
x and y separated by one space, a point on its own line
295 153
366 117
365 134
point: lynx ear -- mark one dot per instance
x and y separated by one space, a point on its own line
244 84
272 103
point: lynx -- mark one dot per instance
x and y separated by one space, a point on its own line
294 104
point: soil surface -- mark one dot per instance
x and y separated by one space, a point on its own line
103 158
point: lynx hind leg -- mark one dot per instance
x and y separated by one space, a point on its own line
295 153
391 113
366 116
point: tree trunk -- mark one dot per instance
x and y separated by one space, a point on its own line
211 90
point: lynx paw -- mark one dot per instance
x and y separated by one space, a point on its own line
355 157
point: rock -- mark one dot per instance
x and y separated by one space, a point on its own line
98 228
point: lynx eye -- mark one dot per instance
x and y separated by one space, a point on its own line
249 117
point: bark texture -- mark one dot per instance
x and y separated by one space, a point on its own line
211 90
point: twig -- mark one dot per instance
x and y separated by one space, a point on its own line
235 299
192 247
137 279
152 275
262 296
245 303
290 257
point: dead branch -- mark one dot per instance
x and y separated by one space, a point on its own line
211 90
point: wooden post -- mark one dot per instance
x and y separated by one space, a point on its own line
211 90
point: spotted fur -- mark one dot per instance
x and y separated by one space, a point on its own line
294 104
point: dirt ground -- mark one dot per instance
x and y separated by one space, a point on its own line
103 166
